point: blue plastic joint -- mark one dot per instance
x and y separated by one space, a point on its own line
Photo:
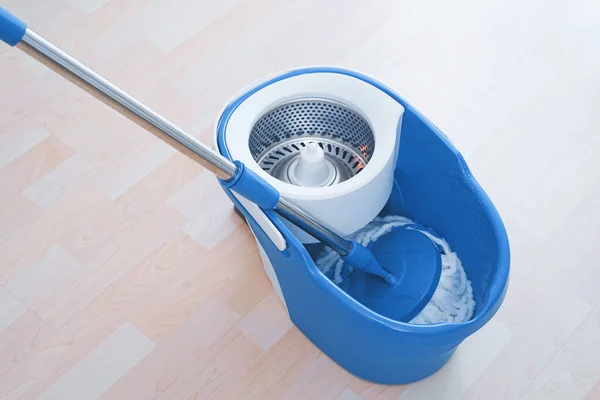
248 184
12 29
363 259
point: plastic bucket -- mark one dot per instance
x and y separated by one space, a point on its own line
433 186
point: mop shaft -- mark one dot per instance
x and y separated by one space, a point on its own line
312 227
88 80
82 76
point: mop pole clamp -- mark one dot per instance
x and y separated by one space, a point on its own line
235 175
248 184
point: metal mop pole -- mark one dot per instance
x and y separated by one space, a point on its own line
15 33
59 61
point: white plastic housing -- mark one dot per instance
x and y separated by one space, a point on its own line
347 206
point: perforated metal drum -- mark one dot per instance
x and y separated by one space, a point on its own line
280 139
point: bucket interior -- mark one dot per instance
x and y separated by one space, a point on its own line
434 187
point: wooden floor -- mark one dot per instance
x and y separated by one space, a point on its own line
125 274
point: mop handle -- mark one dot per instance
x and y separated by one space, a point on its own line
15 33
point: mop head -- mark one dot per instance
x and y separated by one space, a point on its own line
452 300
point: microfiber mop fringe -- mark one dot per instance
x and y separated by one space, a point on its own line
452 301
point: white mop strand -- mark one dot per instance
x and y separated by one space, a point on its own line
452 300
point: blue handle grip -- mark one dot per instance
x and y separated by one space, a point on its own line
247 183
12 28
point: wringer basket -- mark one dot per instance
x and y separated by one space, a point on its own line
433 185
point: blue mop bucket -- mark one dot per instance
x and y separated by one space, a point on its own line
434 187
